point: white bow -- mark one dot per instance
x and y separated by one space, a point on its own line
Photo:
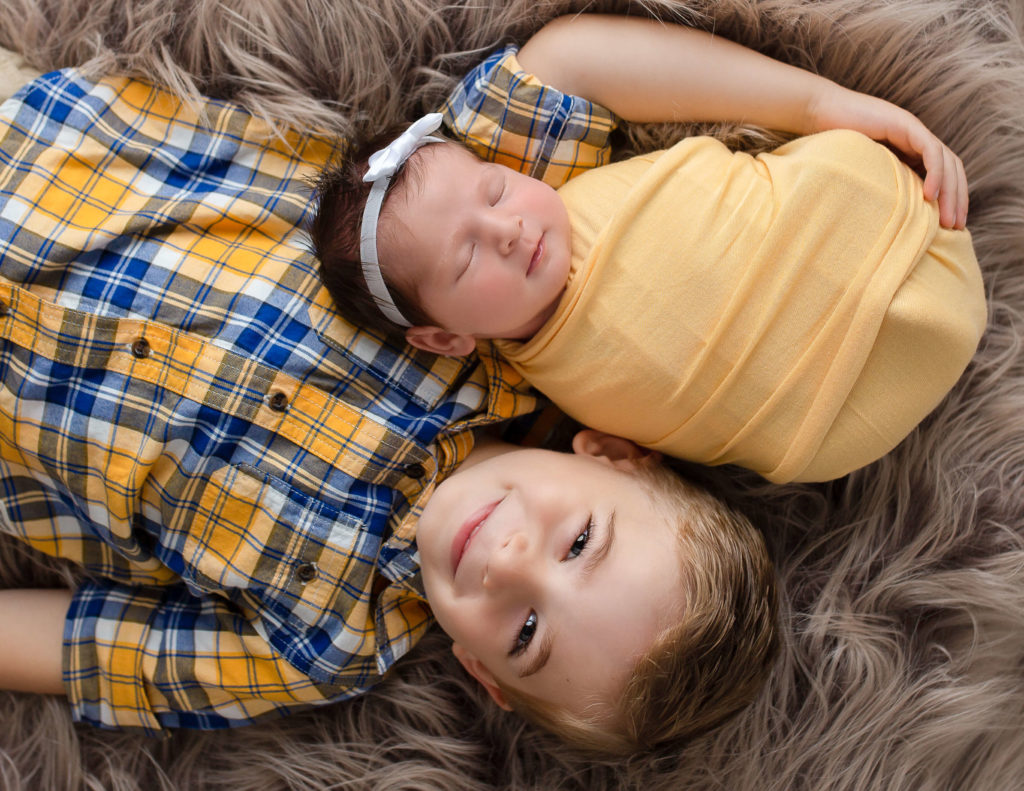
388 160
381 166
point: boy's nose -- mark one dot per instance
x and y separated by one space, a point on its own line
511 565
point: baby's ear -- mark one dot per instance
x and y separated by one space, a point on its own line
439 341
476 669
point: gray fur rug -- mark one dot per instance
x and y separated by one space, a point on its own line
903 663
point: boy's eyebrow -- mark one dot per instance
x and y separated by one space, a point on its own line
543 655
544 652
602 551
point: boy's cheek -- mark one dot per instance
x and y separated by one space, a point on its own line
428 529
465 621
431 572
448 618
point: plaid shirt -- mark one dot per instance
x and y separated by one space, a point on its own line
183 413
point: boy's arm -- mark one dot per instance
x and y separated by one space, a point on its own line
31 639
644 70
170 659
159 657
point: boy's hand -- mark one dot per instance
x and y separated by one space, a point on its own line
945 179
32 638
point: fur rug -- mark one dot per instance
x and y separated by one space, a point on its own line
903 664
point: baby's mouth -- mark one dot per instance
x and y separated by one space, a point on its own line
535 259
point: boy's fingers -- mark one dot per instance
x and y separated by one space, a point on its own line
947 181
944 176
948 199
964 203
956 213
935 172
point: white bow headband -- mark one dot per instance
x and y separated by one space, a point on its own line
383 165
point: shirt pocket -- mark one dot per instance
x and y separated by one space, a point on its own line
301 560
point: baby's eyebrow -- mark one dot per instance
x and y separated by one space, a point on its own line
483 183
547 643
492 176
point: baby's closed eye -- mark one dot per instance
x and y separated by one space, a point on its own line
467 260
497 189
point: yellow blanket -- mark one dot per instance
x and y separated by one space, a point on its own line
730 309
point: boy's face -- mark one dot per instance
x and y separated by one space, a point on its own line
552 572
482 249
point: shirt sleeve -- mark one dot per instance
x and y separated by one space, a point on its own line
508 116
158 657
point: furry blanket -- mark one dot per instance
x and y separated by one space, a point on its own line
903 584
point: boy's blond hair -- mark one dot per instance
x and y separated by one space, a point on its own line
702 670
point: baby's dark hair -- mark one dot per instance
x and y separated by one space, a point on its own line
340 195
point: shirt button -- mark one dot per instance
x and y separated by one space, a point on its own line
279 401
141 348
306 572
415 470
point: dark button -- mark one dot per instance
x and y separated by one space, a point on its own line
306 572
279 402
416 470
141 348
4 310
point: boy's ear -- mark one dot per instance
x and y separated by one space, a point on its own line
476 669
439 341
591 442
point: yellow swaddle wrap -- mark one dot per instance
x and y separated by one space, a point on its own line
726 309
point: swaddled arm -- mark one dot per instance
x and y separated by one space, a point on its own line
644 70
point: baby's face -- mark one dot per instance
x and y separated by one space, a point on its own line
482 249
552 572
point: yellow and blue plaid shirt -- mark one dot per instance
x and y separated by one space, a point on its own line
183 412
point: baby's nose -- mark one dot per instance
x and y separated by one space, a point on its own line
508 231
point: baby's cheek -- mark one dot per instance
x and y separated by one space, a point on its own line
494 291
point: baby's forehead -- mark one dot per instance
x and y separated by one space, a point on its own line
441 157
439 170
429 162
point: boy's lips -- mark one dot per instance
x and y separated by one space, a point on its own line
465 533
537 253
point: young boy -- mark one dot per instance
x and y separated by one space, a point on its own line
597 593
797 314
245 499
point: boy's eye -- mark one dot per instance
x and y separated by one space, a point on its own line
581 540
525 635
529 628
